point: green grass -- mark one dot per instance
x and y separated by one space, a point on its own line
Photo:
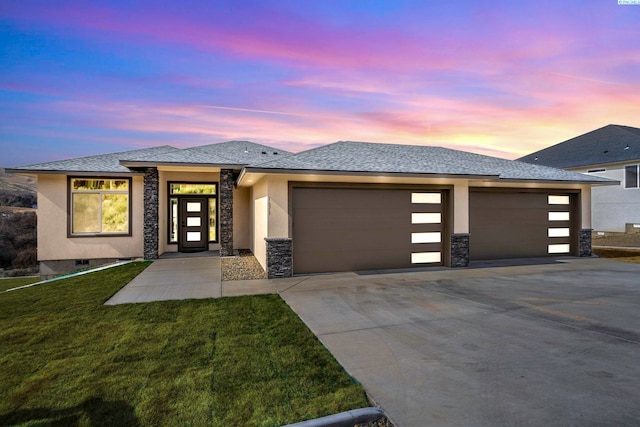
14 282
65 359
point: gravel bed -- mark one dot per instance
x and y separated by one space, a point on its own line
242 266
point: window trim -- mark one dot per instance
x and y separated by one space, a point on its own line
70 192
637 186
203 196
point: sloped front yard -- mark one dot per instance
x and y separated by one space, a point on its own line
65 359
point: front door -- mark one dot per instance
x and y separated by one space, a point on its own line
193 235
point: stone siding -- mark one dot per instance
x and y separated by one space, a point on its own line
151 201
584 246
460 250
279 257
226 212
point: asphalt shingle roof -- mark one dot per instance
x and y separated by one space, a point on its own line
609 144
347 156
239 153
98 163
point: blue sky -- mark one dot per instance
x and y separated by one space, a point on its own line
501 78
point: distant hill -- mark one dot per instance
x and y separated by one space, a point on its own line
17 192
17 183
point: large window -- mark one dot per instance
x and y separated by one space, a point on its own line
632 176
100 206
190 189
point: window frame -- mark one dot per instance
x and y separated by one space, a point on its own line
203 196
637 183
71 192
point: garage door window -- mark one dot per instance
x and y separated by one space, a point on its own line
558 234
425 257
559 248
559 216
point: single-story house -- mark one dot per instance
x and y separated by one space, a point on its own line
347 206
611 152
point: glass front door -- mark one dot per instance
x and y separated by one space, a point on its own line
193 225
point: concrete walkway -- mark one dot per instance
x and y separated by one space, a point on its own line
186 278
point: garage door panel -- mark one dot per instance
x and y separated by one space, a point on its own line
346 229
516 224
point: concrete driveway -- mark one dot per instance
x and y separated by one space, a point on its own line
555 344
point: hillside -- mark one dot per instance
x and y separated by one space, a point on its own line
17 183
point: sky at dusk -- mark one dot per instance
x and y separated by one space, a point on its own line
502 78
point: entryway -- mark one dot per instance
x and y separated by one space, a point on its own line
192 215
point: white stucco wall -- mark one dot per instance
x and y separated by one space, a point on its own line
260 215
241 218
613 206
53 243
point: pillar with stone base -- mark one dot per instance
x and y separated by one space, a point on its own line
151 201
226 212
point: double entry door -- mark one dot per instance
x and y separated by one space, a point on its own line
193 235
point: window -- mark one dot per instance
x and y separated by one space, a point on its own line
191 189
632 176
100 206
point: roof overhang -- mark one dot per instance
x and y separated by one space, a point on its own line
558 181
250 171
36 172
186 165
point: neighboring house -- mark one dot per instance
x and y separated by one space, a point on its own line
611 152
347 206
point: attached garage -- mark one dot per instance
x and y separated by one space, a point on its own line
367 228
517 223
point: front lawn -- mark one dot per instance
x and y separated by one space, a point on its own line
14 282
65 359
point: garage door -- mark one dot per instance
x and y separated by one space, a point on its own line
356 229
513 224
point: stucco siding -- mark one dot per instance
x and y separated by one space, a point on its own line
260 215
53 243
241 221
613 206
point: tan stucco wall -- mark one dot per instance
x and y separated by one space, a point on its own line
53 243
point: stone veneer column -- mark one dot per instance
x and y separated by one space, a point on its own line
279 257
460 250
584 244
226 212
151 213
